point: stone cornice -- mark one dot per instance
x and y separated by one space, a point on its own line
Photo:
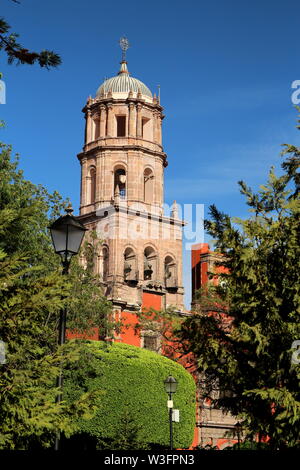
136 147
129 100
115 208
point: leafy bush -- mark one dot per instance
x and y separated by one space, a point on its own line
132 411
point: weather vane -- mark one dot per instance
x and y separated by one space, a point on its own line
124 44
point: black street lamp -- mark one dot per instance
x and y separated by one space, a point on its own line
67 234
171 387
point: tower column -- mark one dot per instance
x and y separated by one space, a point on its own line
158 120
83 181
98 186
139 120
109 120
102 121
155 126
88 126
132 120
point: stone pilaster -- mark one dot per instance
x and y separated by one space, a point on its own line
155 125
102 121
159 132
109 120
98 186
139 120
132 120
96 130
88 126
83 181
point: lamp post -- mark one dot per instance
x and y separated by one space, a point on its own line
171 387
239 431
67 234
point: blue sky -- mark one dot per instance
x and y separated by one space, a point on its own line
225 70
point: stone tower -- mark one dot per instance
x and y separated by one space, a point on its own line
122 196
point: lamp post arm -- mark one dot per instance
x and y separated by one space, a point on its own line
61 341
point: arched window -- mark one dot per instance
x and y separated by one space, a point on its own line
130 266
148 185
91 185
150 263
104 264
170 273
120 182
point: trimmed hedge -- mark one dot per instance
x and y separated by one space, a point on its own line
131 380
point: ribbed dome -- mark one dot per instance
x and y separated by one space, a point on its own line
123 83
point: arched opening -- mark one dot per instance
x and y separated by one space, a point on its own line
148 185
170 273
130 266
91 185
150 263
103 263
120 182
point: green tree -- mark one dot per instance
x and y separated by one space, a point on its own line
127 434
28 411
244 345
32 293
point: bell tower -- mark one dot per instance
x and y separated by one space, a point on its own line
122 195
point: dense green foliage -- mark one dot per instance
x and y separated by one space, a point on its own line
32 293
245 347
133 407
28 412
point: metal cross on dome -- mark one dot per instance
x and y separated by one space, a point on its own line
124 44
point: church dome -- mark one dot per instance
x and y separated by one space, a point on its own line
122 84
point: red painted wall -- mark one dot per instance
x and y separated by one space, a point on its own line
199 270
200 267
128 334
151 300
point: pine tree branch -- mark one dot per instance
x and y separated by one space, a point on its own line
15 51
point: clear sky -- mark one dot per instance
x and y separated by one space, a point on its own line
225 69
